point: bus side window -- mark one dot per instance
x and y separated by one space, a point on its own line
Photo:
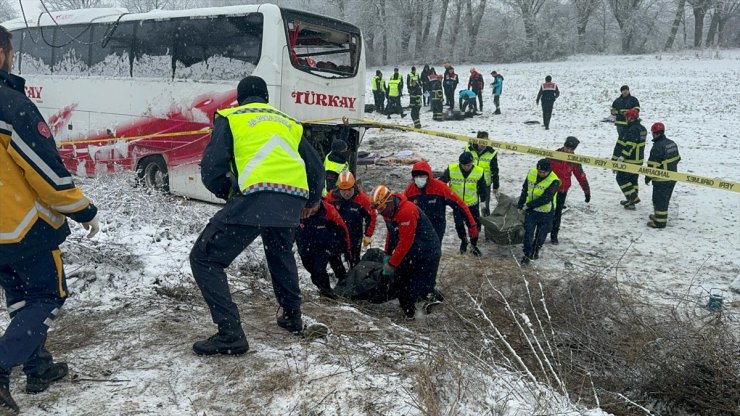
218 48
153 44
72 54
37 53
111 49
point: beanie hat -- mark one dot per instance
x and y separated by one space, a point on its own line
251 86
338 145
571 142
466 158
624 87
544 164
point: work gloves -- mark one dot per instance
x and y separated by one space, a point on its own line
366 241
388 270
92 227
588 197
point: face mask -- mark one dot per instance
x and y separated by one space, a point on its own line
420 181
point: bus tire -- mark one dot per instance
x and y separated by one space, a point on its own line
152 173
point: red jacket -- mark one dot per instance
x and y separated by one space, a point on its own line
565 169
435 197
410 235
355 210
323 228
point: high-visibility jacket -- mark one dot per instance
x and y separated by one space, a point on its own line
332 166
37 192
536 189
664 155
394 87
466 188
483 160
266 150
412 76
377 83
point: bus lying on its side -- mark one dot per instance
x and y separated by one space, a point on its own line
138 91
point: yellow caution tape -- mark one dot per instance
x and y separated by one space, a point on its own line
716 183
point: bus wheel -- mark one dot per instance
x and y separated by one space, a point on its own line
152 173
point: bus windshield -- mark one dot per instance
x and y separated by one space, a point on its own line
322 46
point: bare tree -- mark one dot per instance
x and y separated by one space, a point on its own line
528 10
427 22
584 9
6 11
624 12
723 11
143 6
441 26
700 8
676 22
473 17
341 7
55 5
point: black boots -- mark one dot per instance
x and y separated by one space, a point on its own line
291 321
6 400
497 111
38 383
463 246
229 340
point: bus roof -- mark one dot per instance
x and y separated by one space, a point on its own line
102 15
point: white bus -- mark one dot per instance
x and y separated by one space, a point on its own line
138 91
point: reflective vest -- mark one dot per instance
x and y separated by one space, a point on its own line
266 150
465 188
377 83
412 76
536 189
332 166
483 161
393 90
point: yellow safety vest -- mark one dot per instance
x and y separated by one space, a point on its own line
376 82
393 84
412 76
266 150
536 189
483 161
465 188
332 166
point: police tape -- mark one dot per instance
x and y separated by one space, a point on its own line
716 183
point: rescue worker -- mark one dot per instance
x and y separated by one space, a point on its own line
412 76
320 237
379 88
630 149
564 170
549 92
467 102
37 194
450 85
497 86
266 194
537 200
468 181
415 95
433 196
663 155
395 90
476 84
435 83
337 160
486 157
412 250
353 206
624 102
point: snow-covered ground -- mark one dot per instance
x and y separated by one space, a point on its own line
128 328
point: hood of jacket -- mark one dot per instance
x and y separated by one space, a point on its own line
422 166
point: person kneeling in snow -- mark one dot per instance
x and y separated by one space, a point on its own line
412 250
468 105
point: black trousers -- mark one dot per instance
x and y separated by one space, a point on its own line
355 246
315 262
558 214
460 220
628 183
220 243
547 112
437 107
415 116
394 105
479 93
536 227
662 192
450 98
621 129
495 101
415 278
379 97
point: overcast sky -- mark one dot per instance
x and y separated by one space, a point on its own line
30 6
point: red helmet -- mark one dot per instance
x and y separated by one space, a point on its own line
632 114
657 128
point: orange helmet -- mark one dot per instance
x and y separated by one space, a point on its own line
379 196
346 180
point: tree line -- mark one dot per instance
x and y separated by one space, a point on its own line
411 31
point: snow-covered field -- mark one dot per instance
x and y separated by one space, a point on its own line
128 328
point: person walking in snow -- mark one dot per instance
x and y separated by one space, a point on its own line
415 96
266 193
537 201
486 157
379 88
630 148
38 195
664 155
497 85
477 84
395 90
548 93
620 106
449 84
564 170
